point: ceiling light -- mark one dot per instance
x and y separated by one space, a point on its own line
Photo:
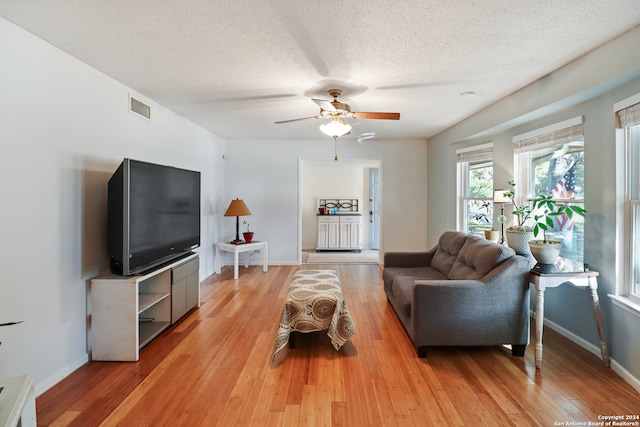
468 93
336 127
367 135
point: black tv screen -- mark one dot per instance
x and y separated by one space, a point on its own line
154 215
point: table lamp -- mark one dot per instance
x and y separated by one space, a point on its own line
237 208
499 197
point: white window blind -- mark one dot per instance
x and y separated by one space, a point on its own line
629 116
478 153
560 133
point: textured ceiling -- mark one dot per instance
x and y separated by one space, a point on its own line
235 67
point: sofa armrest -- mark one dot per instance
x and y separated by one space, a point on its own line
408 259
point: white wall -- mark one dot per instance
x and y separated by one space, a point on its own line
65 128
587 87
266 175
328 178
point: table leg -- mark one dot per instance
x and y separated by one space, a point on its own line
539 325
593 286
235 264
218 260
265 266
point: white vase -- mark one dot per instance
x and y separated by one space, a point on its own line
519 241
545 253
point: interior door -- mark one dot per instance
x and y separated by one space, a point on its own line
374 208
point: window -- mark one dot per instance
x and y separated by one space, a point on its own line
550 161
628 119
475 188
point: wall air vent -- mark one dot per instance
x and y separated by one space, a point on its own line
139 108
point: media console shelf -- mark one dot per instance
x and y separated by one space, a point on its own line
129 311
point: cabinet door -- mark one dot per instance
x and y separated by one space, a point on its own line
323 235
334 233
354 236
193 290
350 231
345 235
328 232
178 299
185 292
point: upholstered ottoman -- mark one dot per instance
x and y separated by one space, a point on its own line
314 302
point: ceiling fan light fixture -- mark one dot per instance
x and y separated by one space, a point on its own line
336 127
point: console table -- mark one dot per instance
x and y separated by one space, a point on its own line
236 249
550 276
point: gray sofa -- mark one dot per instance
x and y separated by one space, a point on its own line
466 291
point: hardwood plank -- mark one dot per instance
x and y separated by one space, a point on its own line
214 368
66 419
291 415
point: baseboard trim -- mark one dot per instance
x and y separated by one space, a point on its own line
573 337
58 376
615 366
626 375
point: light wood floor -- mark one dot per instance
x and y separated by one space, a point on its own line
213 369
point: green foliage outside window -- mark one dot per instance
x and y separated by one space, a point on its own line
480 212
481 181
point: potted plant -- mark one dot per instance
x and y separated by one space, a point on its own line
248 235
519 234
547 251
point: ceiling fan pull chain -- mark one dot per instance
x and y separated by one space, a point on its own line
335 148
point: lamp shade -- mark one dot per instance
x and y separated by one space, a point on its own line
237 208
499 197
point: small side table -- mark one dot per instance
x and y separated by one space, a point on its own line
18 402
236 249
543 279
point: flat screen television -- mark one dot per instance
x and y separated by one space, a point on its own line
153 215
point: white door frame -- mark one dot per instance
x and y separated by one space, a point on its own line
300 163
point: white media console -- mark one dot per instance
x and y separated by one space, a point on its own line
129 311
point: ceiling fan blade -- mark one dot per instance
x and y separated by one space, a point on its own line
297 120
379 116
324 104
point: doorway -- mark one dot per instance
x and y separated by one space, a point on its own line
348 178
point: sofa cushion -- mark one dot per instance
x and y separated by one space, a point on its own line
389 274
417 273
402 284
449 245
478 257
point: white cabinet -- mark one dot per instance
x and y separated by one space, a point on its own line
339 232
127 312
